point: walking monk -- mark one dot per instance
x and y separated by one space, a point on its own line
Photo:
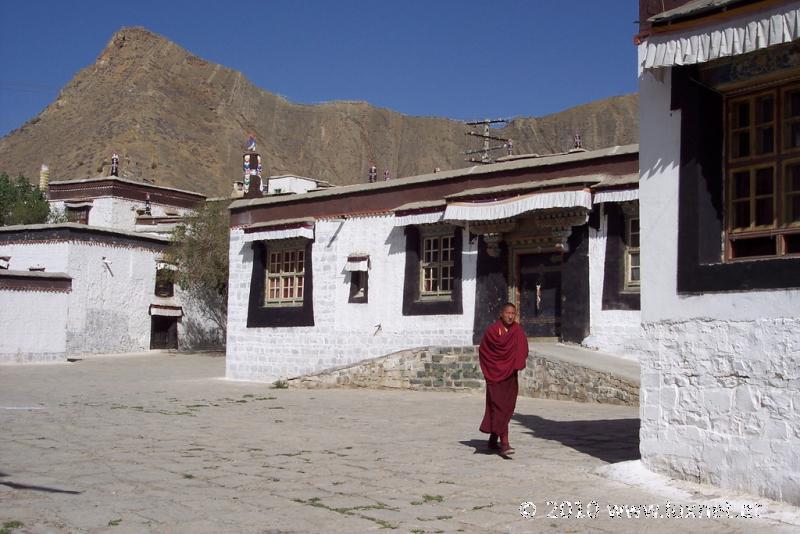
503 352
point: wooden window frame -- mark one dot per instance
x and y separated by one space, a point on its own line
629 284
77 215
413 303
436 237
279 262
768 240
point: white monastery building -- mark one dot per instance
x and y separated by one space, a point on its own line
336 276
98 284
719 86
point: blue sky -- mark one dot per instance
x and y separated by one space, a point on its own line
464 59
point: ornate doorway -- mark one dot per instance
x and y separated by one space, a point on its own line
539 294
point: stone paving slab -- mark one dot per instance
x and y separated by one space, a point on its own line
161 443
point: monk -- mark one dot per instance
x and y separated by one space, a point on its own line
503 352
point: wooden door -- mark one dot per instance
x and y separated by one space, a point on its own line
539 283
163 332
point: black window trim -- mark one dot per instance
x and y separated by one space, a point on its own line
701 201
259 315
615 297
413 304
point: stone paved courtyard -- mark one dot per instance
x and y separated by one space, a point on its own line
161 443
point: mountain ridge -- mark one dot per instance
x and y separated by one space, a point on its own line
181 120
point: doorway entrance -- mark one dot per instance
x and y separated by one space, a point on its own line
539 294
163 332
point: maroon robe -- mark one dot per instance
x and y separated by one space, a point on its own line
503 352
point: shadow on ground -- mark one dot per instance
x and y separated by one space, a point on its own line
610 440
480 446
46 489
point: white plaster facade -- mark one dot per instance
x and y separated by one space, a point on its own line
108 308
121 213
292 184
33 326
614 331
343 332
720 399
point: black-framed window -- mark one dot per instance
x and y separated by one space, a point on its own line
165 281
762 182
702 209
432 284
633 269
620 274
286 267
78 215
283 307
359 287
436 263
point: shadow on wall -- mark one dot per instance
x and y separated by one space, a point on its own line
198 336
396 240
610 440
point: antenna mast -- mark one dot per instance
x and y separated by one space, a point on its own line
487 138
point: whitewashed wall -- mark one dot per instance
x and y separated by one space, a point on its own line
616 331
107 310
290 184
109 303
54 257
720 396
120 213
343 333
33 326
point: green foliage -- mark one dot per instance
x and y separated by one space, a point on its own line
21 202
9 526
57 216
199 248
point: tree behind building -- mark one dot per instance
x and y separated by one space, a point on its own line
21 202
199 249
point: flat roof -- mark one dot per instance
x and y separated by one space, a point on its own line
476 170
611 182
425 204
83 228
318 182
124 181
695 9
528 186
35 274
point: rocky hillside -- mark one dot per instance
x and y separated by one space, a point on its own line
182 121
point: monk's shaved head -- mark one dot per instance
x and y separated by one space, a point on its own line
508 313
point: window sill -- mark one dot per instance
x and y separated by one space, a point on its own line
435 298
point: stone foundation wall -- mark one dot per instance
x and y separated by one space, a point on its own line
545 378
458 369
720 404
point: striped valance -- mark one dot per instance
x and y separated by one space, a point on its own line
755 31
511 207
286 229
620 195
357 261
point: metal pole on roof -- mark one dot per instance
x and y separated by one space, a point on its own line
486 136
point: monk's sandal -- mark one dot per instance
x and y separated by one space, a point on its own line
506 450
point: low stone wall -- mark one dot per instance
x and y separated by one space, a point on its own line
458 369
554 379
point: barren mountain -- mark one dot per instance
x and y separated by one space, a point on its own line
182 121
